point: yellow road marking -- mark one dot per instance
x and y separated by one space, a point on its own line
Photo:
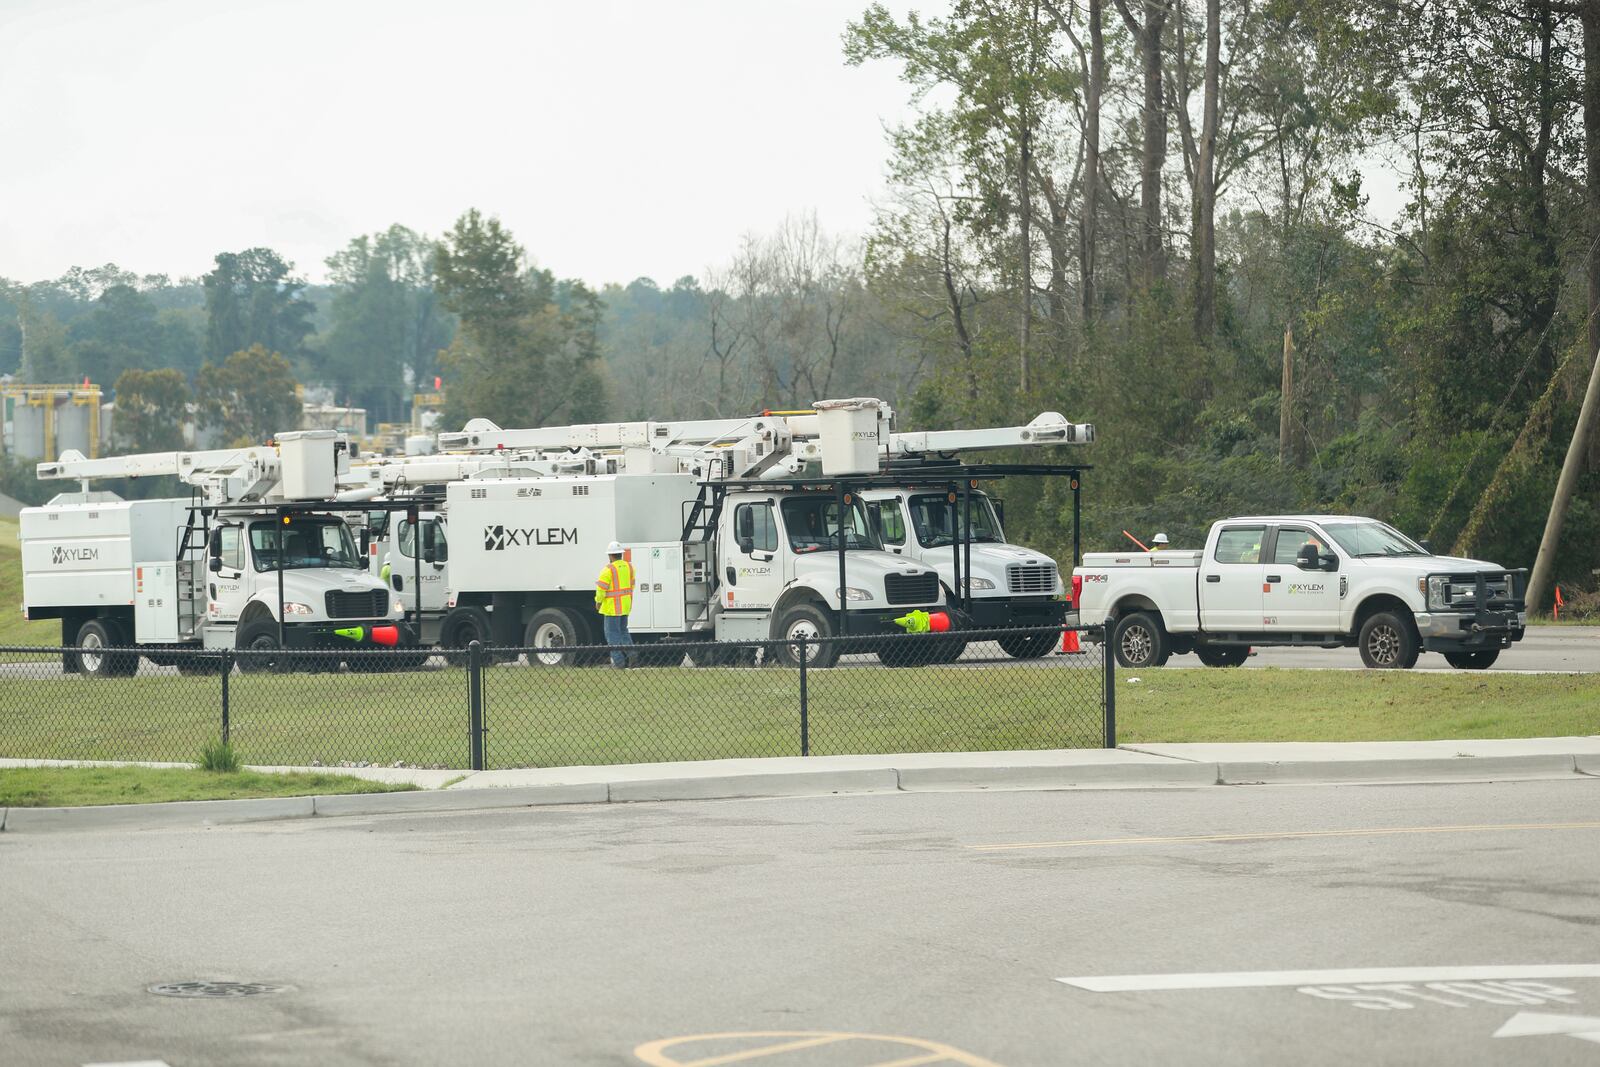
655 1054
765 1050
1288 834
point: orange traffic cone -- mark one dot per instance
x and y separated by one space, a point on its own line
1069 642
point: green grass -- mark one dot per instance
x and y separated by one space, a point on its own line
56 787
1287 705
14 629
542 717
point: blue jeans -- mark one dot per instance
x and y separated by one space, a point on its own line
616 627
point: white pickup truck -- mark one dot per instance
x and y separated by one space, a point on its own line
1326 581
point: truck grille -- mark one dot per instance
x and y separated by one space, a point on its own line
1463 591
912 588
1031 578
367 604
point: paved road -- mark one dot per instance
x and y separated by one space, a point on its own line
579 935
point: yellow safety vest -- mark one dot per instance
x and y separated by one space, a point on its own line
613 592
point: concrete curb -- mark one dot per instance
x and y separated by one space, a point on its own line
1055 776
1459 769
915 773
790 784
156 816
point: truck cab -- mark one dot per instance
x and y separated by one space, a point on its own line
1326 581
779 576
1009 586
394 546
325 584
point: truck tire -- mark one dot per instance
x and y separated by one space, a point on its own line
95 637
814 624
259 636
1476 660
551 635
460 628
1027 646
1141 641
1223 655
1388 641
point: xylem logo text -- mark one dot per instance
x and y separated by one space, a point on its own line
500 538
60 555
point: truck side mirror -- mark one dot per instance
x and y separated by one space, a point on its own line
215 565
1308 559
999 509
1427 546
1330 562
747 526
366 541
747 544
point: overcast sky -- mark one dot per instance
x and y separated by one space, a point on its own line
616 139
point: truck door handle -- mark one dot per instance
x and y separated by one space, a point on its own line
1213 578
733 576
1274 578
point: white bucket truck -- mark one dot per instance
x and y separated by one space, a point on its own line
736 530
250 562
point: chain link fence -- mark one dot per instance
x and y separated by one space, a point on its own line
548 707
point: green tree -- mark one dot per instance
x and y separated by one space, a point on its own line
253 299
152 408
528 351
248 397
388 326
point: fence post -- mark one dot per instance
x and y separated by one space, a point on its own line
1110 655
805 722
227 672
475 704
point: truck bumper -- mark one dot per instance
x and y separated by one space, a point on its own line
1003 613
869 622
322 634
1454 631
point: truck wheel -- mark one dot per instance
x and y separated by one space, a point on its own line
1027 646
1479 660
260 638
590 633
551 635
812 623
1140 642
95 638
1388 642
461 627
1223 655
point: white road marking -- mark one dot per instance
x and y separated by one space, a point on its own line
1538 1024
130 1063
1136 983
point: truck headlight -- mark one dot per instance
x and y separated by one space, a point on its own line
981 583
292 608
852 593
1438 592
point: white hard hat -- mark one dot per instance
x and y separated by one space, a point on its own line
1160 539
614 548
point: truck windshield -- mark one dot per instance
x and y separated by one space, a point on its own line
1366 539
319 543
812 523
936 519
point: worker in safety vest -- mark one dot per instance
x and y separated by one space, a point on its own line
1159 542
613 599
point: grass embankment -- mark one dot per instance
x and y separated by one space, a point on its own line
57 787
543 717
14 629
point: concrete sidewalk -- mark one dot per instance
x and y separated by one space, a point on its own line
1154 766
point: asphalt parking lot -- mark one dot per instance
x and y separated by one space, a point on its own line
1371 924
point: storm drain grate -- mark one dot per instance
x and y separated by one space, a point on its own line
215 990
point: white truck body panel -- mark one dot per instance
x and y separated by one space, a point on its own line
551 533
156 589
83 554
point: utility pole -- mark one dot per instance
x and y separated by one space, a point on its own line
1286 401
1539 581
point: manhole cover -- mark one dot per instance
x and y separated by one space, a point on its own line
215 989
